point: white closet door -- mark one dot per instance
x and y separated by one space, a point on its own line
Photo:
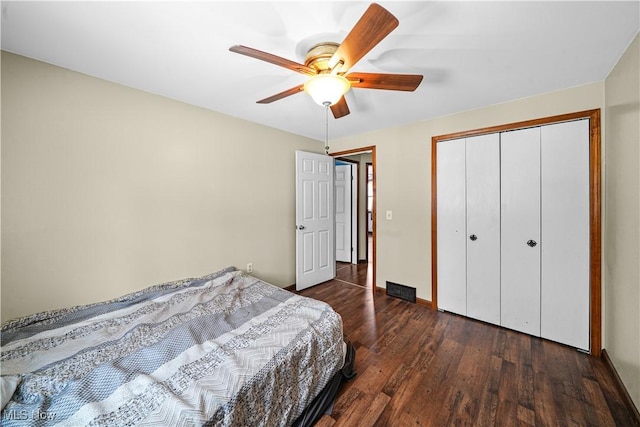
343 212
451 231
565 230
520 225
483 227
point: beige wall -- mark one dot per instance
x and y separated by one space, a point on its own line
106 190
622 219
403 177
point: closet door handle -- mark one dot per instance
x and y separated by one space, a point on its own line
473 237
532 243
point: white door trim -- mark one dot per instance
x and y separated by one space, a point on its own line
343 210
354 213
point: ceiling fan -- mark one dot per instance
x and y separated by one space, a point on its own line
328 64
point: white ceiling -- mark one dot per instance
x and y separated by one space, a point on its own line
471 54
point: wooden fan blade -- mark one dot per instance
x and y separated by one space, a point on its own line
376 23
406 82
282 62
282 94
340 108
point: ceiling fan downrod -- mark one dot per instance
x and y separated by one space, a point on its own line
326 104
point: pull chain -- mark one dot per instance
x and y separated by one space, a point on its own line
326 138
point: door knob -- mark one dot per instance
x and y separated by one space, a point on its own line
532 243
473 237
301 227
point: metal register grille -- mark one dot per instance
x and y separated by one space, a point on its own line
401 291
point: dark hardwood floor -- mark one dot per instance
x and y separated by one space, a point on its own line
356 274
420 367
360 274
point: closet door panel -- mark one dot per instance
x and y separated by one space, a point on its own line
565 232
451 228
483 227
520 230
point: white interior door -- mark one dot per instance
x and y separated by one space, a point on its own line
354 213
451 226
565 227
520 226
315 219
483 227
343 209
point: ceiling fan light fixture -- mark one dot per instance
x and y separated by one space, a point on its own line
326 88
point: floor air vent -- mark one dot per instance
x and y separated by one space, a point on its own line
401 291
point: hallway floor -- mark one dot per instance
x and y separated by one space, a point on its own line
360 274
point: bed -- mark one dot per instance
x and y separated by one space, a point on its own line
226 349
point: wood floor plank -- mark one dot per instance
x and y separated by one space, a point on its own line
409 390
325 421
420 367
487 412
596 396
375 409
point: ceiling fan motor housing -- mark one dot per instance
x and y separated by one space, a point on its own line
319 55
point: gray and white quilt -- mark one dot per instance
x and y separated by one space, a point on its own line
226 349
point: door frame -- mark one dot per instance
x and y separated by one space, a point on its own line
595 209
362 150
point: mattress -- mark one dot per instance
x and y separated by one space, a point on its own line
226 349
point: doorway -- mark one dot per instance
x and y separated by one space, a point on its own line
362 273
346 209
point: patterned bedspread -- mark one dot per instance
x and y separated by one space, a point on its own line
226 349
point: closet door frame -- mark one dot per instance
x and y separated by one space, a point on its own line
595 209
